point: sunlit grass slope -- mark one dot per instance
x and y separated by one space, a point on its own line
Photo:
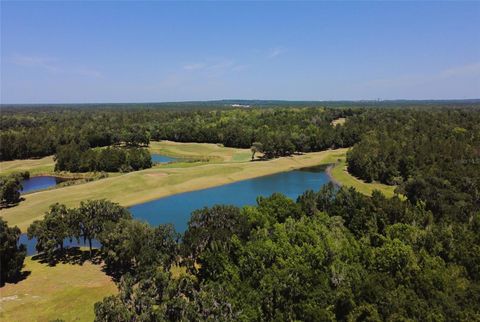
200 151
204 152
340 174
65 291
34 166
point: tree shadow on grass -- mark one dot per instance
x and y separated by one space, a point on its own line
4 205
70 255
20 277
78 256
114 274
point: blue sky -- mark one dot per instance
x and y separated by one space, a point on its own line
66 52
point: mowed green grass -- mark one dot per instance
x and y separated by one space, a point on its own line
200 151
34 166
189 151
340 174
339 121
64 291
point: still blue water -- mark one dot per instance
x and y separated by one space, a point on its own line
66 243
177 209
39 183
158 158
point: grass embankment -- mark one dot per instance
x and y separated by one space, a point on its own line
191 152
65 291
339 121
339 174
212 153
34 166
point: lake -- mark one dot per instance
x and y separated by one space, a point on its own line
39 183
177 209
158 158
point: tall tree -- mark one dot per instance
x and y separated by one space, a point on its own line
12 255
10 188
93 216
52 230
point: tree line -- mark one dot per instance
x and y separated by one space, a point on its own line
36 132
431 155
74 157
28 132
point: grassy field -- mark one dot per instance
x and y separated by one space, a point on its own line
339 121
200 151
34 166
65 291
211 153
340 174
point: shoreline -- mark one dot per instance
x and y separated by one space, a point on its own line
329 173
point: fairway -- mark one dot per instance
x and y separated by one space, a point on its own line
340 175
65 291
34 166
200 151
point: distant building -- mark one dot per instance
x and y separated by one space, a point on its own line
240 105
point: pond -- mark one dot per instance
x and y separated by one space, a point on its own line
158 158
177 209
39 183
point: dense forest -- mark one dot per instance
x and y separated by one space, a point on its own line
30 133
75 158
332 254
432 155
40 131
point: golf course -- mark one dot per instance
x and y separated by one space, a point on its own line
200 166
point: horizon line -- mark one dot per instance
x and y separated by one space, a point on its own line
251 100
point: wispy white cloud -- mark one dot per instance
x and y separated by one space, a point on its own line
87 72
47 63
275 52
461 71
197 75
53 66
214 67
468 70
194 66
